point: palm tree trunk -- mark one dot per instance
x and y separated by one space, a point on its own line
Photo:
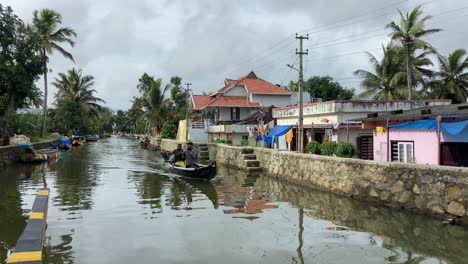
408 72
44 117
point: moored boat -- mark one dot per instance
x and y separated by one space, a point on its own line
77 141
93 138
64 144
30 155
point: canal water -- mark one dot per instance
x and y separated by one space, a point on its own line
112 202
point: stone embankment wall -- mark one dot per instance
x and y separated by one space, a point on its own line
437 190
12 153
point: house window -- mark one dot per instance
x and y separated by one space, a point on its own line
403 151
235 113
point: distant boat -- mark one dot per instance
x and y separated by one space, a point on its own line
30 155
93 138
77 141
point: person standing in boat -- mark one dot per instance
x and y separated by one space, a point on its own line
191 156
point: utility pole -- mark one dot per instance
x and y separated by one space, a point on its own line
187 91
301 52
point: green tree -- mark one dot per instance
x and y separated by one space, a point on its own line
154 100
103 121
178 96
169 130
293 86
409 32
47 25
326 88
385 82
452 77
76 97
20 67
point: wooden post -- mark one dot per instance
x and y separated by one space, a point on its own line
312 134
347 132
438 139
389 148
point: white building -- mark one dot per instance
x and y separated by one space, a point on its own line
238 100
332 120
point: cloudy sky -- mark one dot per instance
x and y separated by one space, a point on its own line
206 41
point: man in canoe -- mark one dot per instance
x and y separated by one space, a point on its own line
191 156
178 154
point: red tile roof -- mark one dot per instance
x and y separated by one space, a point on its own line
254 85
200 101
233 101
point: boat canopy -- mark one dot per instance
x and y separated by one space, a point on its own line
277 131
27 146
431 124
65 141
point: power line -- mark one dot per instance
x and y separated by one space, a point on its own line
373 36
236 66
354 17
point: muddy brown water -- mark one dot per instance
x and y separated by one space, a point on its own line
112 202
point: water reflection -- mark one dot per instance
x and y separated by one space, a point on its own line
60 253
113 197
12 216
76 176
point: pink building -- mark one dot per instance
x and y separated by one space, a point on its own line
433 135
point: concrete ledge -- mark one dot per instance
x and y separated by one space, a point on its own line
440 191
29 246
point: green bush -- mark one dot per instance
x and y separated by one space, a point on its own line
169 130
328 148
345 150
313 147
244 142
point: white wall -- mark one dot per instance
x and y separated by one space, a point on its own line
236 91
269 100
198 136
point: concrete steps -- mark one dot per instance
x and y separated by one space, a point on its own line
250 157
203 153
247 151
252 164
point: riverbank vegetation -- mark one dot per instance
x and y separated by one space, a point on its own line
157 109
24 55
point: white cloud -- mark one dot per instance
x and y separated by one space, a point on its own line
206 41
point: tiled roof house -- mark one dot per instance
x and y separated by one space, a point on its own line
240 98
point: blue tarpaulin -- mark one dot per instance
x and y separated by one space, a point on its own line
431 124
277 131
454 128
65 141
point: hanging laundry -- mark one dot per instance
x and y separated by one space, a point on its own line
289 136
249 129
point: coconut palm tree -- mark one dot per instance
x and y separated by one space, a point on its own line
386 81
157 105
452 82
75 93
409 33
46 24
